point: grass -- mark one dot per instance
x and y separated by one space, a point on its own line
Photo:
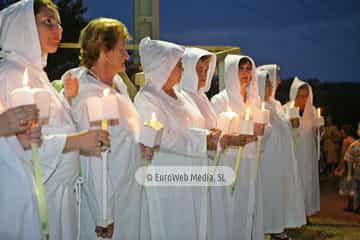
326 229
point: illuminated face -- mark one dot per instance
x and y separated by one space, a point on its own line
175 75
278 81
244 75
118 56
49 30
301 97
268 89
202 68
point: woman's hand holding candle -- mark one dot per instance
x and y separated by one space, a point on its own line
147 152
18 119
31 135
106 232
213 139
91 142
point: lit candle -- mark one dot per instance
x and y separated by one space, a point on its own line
319 122
262 116
228 122
247 113
247 124
26 95
292 111
103 109
42 98
246 128
152 132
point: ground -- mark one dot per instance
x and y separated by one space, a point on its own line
331 223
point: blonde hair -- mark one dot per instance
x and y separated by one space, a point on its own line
100 34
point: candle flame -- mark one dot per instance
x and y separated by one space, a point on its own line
153 116
106 92
247 113
26 78
292 104
228 109
263 106
319 112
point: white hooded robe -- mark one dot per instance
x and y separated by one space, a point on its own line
18 204
244 206
189 83
283 205
173 212
124 193
305 150
21 47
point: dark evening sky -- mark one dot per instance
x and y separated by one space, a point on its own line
309 38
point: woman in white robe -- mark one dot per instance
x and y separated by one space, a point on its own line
283 205
18 205
305 149
244 206
199 67
26 38
124 193
173 214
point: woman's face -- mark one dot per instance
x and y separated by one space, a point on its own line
202 68
175 75
301 97
244 75
117 57
49 30
268 89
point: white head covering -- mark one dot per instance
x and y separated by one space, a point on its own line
308 115
261 77
189 83
273 70
18 34
232 82
189 79
158 59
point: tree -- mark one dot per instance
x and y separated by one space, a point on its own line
72 21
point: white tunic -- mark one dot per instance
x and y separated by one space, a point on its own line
20 42
189 83
283 205
18 205
305 151
244 206
173 212
124 193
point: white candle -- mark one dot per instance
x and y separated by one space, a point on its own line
318 118
103 109
42 99
100 108
247 124
262 115
228 122
292 111
152 132
26 95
